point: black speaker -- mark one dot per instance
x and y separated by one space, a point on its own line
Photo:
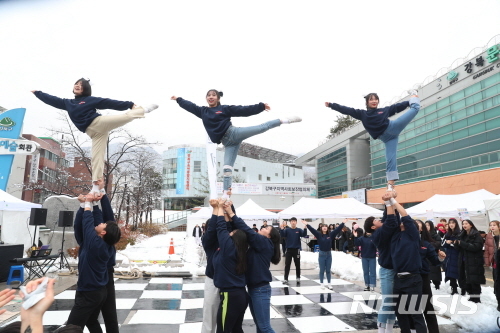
38 216
65 218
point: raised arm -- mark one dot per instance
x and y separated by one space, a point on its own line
338 229
398 107
209 240
355 113
50 100
112 104
311 229
107 210
246 111
188 106
77 225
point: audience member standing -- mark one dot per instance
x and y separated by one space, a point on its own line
293 246
197 233
435 271
451 261
368 253
470 260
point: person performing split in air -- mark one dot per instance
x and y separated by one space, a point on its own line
82 110
217 121
376 122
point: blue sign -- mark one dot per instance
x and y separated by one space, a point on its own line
181 170
11 125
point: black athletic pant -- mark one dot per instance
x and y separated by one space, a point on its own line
431 319
86 310
231 311
409 290
108 309
295 254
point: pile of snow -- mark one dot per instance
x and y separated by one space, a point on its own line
346 266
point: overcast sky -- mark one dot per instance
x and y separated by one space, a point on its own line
294 55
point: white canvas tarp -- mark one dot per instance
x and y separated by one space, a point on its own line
492 207
329 208
14 218
251 211
446 205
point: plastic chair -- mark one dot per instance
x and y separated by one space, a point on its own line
316 248
16 274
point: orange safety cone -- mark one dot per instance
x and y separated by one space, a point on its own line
171 249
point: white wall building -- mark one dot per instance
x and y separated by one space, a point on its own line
185 177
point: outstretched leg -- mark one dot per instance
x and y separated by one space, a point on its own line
99 130
232 143
391 135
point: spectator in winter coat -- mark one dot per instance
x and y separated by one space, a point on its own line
429 259
470 260
489 244
435 275
451 262
197 233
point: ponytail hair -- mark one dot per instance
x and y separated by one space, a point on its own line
276 239
218 93
240 242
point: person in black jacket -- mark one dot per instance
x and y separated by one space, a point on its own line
293 246
82 110
435 275
96 250
376 122
430 259
197 233
264 249
230 266
451 262
368 252
324 238
470 260
217 121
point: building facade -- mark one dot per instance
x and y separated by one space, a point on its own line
452 145
52 168
185 175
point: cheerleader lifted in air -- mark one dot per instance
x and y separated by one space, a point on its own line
376 122
82 111
217 121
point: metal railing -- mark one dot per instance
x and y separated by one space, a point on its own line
173 217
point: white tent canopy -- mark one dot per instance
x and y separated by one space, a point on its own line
329 208
492 207
9 202
14 218
447 205
251 211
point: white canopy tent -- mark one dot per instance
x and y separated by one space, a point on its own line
329 208
249 211
14 218
492 207
445 206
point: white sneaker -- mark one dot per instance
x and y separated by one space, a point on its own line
150 108
322 285
390 187
372 289
294 119
412 92
329 286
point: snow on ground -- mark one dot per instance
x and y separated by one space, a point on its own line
470 316
347 266
152 253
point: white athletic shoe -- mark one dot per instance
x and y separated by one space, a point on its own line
150 108
294 119
322 285
329 286
412 92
